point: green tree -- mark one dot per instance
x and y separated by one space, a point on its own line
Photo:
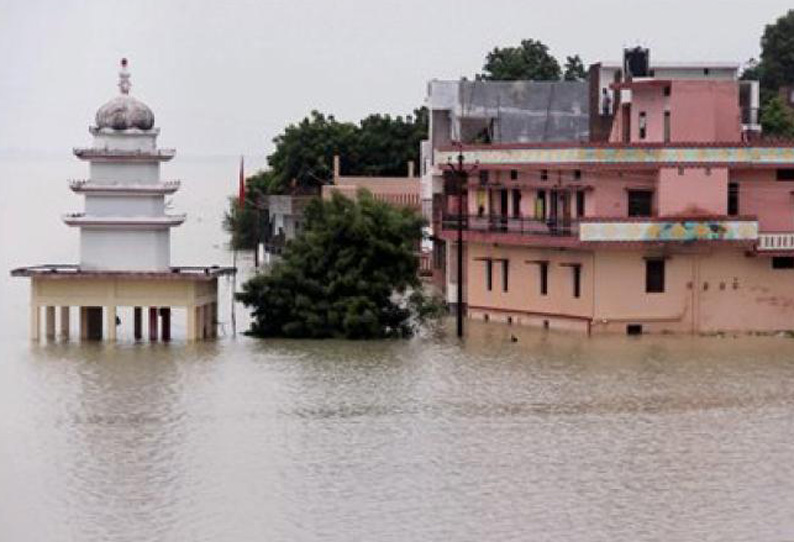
777 53
531 60
304 151
574 69
352 273
777 119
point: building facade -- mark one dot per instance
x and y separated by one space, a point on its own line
677 222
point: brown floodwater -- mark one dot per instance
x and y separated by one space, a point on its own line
553 437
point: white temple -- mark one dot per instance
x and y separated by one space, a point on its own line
124 197
124 239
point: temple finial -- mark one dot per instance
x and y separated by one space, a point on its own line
124 78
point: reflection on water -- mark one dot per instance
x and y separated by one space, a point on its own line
553 437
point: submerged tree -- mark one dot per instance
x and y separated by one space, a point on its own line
352 273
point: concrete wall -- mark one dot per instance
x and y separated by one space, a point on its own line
693 191
125 172
706 290
762 196
124 250
124 205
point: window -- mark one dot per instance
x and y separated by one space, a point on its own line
489 275
483 176
782 262
640 202
667 91
733 199
513 174
577 280
667 127
654 276
706 71
580 203
643 124
516 203
505 274
544 278
785 175
544 174
577 174
634 329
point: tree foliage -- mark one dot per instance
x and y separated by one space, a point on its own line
777 53
530 60
352 273
777 119
574 69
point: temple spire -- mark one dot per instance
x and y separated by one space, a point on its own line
124 78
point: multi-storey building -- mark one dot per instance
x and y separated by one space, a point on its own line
677 222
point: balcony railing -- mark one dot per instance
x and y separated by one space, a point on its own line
504 224
776 241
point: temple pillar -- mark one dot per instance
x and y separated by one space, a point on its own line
35 323
208 320
65 323
165 313
83 323
110 322
49 323
137 323
153 324
200 322
191 322
214 312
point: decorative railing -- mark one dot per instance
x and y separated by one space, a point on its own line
661 229
92 152
506 224
776 241
88 185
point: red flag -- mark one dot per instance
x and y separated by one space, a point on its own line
241 190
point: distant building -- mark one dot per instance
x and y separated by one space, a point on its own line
398 191
124 239
671 218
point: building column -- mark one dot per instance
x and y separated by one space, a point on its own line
208 324
110 321
83 323
214 314
201 323
137 323
165 313
65 323
153 324
191 322
49 324
35 323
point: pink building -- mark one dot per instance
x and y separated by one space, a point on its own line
680 222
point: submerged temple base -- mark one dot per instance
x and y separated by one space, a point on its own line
98 295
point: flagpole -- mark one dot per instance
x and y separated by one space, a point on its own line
240 207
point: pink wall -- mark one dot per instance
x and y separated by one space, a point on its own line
693 191
706 111
700 111
762 196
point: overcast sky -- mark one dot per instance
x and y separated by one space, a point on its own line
224 77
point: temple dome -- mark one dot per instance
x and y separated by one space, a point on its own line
124 112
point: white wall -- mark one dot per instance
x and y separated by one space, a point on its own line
119 250
124 205
128 172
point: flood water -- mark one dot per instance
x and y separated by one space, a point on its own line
554 437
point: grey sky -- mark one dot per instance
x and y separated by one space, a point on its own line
225 77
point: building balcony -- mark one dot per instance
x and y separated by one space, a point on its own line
776 242
123 222
612 231
119 155
742 230
87 186
512 231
